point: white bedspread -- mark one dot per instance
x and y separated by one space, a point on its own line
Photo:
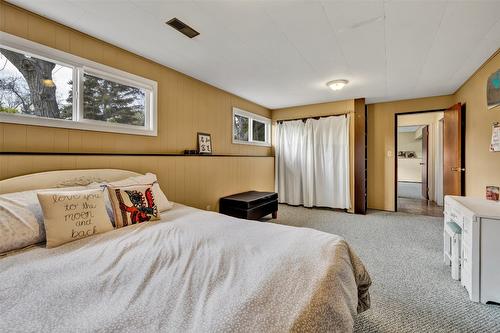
193 271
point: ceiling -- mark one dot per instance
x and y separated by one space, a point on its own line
282 53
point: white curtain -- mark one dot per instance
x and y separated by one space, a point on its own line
312 162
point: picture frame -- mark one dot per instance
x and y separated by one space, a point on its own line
493 90
204 143
493 193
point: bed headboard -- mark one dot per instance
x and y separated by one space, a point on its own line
62 178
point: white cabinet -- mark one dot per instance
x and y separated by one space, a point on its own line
480 223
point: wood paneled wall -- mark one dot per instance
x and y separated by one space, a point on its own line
197 181
185 106
482 167
381 145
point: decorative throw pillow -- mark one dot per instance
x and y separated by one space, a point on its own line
149 178
21 217
133 204
71 215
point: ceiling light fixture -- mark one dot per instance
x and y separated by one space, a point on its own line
337 84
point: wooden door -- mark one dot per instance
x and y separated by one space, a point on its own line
453 164
425 162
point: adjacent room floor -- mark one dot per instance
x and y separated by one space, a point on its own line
412 290
419 207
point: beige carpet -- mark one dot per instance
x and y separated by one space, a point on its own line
412 289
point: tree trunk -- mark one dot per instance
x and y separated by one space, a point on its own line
38 75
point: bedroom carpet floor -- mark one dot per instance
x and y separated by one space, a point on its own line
412 289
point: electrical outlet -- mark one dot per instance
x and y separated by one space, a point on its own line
389 153
209 207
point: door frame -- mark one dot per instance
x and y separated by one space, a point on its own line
425 147
396 148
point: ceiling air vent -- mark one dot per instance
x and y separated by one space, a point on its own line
182 27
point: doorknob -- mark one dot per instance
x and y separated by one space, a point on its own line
457 169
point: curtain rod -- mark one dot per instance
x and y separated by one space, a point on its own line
317 117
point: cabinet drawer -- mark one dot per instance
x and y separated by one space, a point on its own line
451 214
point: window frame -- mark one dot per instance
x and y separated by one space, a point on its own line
81 66
251 117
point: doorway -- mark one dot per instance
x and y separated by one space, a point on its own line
430 159
418 163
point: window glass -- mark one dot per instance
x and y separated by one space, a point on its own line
43 86
32 86
240 128
259 131
113 102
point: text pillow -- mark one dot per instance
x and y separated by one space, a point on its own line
71 215
133 204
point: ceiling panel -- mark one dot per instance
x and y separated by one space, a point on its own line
463 26
282 53
409 40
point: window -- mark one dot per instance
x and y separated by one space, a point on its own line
250 128
43 86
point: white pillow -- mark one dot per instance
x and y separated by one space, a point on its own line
71 215
18 227
149 178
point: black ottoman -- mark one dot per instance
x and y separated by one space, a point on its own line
251 205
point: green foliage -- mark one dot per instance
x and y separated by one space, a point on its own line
112 102
8 110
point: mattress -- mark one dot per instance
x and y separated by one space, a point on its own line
192 271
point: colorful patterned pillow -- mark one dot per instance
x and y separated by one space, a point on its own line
133 204
149 178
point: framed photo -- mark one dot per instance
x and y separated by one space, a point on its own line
204 143
493 90
493 193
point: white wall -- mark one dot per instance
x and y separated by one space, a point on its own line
409 169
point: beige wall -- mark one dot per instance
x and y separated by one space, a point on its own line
198 181
185 106
381 150
409 169
314 110
482 166
323 109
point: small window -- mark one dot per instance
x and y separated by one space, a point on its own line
47 87
250 128
240 128
34 87
113 102
259 131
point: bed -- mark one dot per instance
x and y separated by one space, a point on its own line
191 271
